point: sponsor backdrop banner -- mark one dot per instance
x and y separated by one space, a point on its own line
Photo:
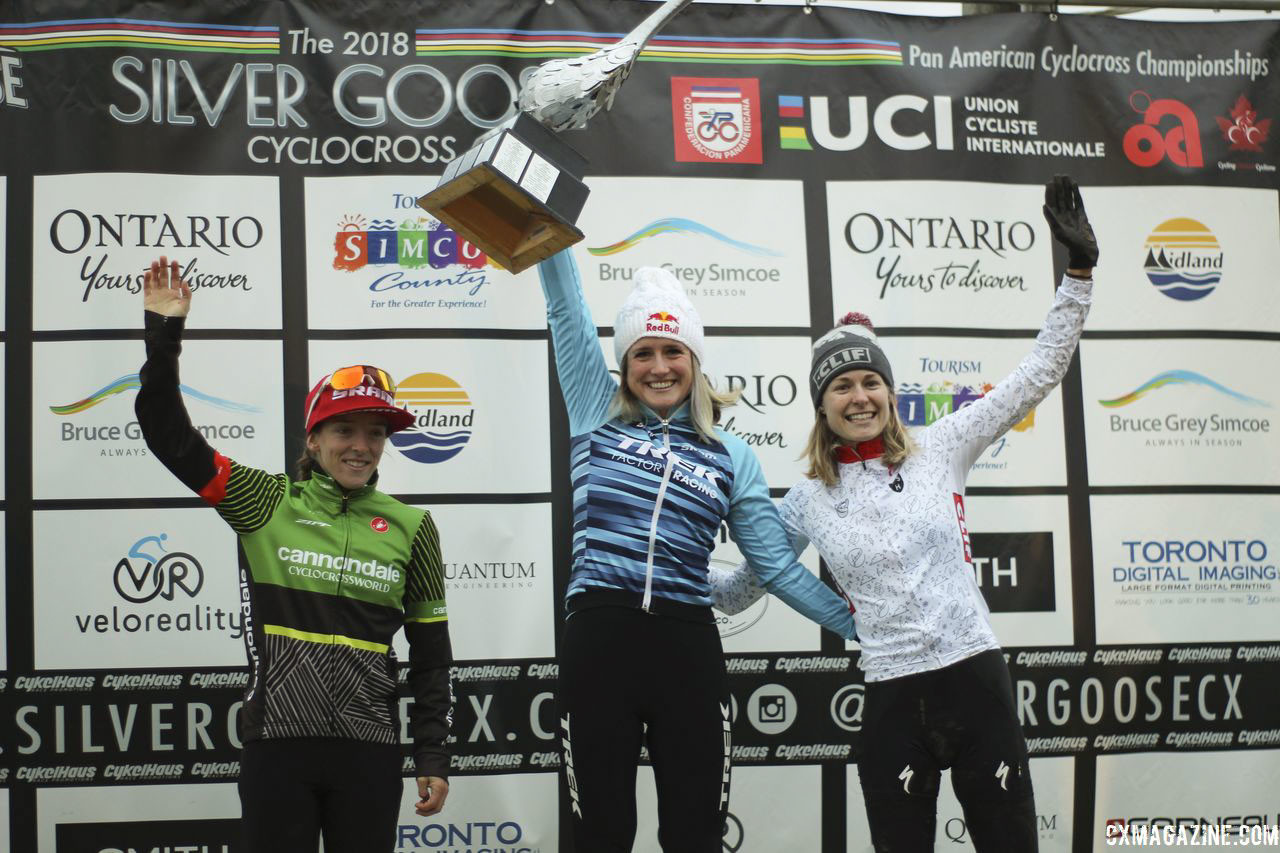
787 167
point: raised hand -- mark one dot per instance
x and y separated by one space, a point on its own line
164 291
1064 211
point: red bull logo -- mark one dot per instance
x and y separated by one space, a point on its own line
663 322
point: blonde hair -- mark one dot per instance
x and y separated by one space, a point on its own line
820 450
705 402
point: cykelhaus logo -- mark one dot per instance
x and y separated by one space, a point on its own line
158 592
444 418
1168 128
1184 259
715 120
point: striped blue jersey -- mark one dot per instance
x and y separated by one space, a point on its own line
649 497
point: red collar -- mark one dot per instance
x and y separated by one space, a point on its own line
862 452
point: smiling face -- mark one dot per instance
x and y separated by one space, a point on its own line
348 447
659 373
856 406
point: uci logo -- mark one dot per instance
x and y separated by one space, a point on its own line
161 576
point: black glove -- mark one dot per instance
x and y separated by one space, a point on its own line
1064 211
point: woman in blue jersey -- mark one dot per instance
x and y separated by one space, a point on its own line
653 479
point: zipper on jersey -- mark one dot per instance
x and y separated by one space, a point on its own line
653 523
337 606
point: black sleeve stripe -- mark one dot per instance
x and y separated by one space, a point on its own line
252 496
425 581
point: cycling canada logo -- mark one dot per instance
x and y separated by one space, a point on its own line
1168 129
1242 130
714 119
443 418
1184 259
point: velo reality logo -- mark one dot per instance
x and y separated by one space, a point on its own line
715 119
1184 259
1146 144
160 575
443 418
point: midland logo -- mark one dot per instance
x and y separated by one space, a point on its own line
902 122
1184 259
416 263
1203 428
715 119
1168 129
443 418
126 439
150 573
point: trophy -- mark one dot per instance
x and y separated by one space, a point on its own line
518 190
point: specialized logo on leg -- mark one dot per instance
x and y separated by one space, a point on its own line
1002 773
576 803
905 776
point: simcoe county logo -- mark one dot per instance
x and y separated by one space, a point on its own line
1184 259
130 382
677 226
1171 378
921 405
714 119
416 243
443 417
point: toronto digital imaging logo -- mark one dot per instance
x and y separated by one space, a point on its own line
1168 129
716 119
1184 259
443 418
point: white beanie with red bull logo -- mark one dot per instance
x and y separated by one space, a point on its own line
657 307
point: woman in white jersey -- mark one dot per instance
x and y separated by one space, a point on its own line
887 514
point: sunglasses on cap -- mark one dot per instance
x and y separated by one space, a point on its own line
346 378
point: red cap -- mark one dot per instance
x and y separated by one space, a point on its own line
376 395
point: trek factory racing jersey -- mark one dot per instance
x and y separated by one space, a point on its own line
649 497
332 575
896 539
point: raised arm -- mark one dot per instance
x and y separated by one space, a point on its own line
757 528
585 381
972 429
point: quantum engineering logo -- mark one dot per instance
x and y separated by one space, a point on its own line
680 227
1151 140
443 418
1173 378
1242 130
714 119
1184 259
131 382
414 244
921 405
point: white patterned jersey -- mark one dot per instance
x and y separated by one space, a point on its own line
896 540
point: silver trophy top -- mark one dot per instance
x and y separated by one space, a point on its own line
566 93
